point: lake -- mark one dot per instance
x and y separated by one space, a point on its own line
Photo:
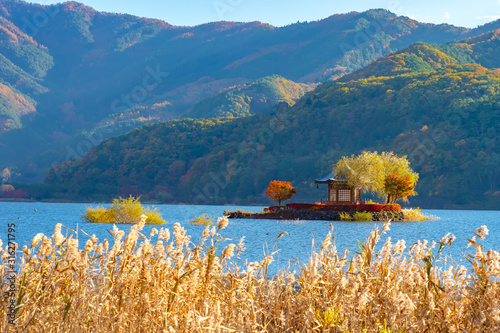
260 235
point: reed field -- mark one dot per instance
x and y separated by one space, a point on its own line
165 282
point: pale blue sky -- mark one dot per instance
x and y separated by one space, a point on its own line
282 12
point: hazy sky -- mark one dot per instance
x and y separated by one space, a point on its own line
466 13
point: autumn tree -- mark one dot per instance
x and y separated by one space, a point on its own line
398 187
363 171
369 171
280 191
5 175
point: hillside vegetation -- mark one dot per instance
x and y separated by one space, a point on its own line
74 76
258 97
446 120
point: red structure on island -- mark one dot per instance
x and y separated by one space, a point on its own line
339 191
341 198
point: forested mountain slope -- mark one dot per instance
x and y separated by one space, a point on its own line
258 97
446 119
72 76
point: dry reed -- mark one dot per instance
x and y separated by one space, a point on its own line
159 283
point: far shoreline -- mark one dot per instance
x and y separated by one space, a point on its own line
147 202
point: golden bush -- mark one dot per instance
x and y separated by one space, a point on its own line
122 211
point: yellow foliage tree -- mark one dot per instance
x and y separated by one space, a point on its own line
369 170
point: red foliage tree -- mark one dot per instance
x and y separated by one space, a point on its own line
280 191
398 187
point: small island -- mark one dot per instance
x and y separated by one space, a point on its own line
386 175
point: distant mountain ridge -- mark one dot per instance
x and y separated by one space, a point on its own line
422 57
68 70
257 97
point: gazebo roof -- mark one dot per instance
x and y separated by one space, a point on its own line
328 178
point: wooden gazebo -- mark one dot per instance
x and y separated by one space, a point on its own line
339 192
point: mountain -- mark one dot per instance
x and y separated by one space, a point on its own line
72 76
445 116
421 57
258 97
23 65
480 49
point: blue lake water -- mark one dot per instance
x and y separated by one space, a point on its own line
260 235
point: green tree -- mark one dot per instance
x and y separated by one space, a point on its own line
369 171
363 171
5 175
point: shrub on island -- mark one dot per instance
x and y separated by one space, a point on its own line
357 217
202 220
123 211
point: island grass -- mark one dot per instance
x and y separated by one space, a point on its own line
164 282
344 216
202 220
416 215
363 216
